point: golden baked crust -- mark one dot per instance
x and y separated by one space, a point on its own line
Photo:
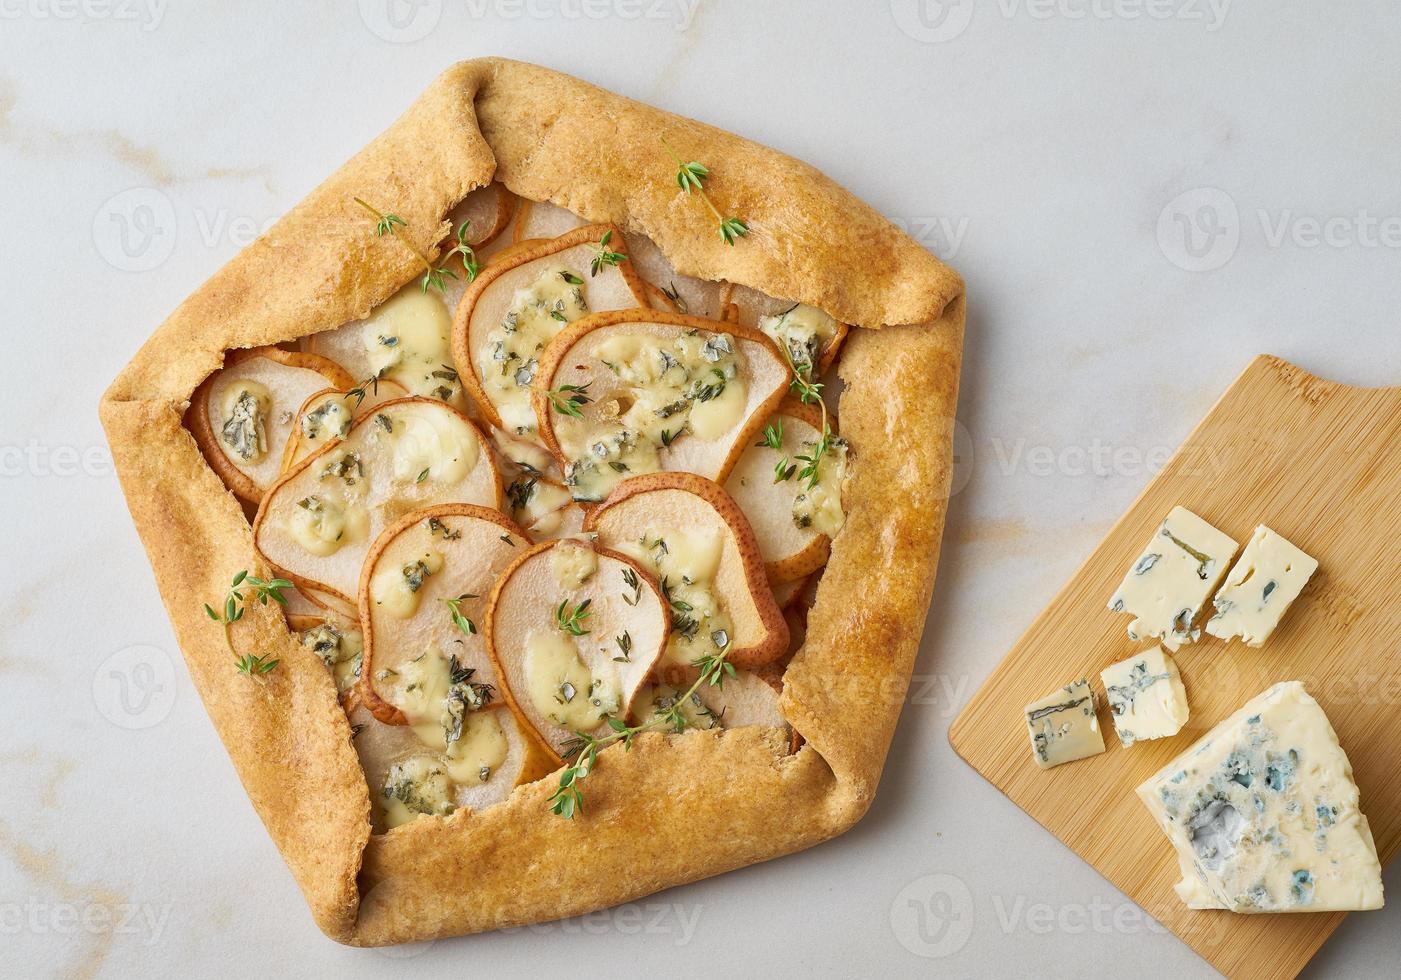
744 797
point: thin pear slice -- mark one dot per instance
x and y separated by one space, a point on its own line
637 391
422 598
541 219
543 507
744 699
406 339
574 632
316 524
811 338
785 593
793 517
669 289
519 303
328 415
693 538
488 211
409 779
241 415
338 642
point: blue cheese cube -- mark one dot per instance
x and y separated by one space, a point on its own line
1264 813
1146 696
1063 725
1167 587
1260 588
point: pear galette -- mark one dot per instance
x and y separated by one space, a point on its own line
548 506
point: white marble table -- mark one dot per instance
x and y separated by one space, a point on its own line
1044 148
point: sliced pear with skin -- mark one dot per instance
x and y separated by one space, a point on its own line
692 536
745 699
535 498
811 338
543 507
519 303
328 415
488 210
337 642
406 339
792 521
785 593
649 390
242 415
498 735
541 219
669 289
300 604
574 632
316 524
424 589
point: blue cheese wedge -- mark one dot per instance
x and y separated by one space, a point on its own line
1265 816
1146 696
1063 726
1167 587
1260 588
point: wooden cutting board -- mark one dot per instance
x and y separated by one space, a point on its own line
1320 463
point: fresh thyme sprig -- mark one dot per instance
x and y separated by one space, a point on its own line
261 591
631 580
691 177
566 399
571 621
470 265
604 256
370 384
568 799
460 621
433 276
250 664
808 392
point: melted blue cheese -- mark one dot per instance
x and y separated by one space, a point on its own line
1167 587
693 385
395 589
340 650
245 414
562 688
416 787
1063 726
1265 815
803 332
686 562
508 361
819 506
322 523
1260 588
435 445
1146 696
407 339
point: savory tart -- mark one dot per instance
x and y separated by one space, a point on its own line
541 435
